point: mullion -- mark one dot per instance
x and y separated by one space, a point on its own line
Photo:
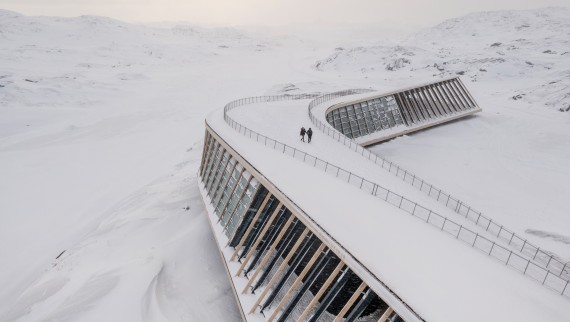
465 103
296 229
270 238
401 105
211 155
336 288
454 95
445 97
211 163
467 92
428 102
361 306
244 223
415 107
435 100
422 104
230 213
226 189
230 231
449 109
315 272
451 96
232 191
461 94
302 254
219 192
220 174
215 169
258 227
207 139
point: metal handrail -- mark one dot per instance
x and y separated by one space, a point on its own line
492 249
541 256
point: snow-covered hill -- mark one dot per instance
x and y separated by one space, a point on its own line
530 49
101 130
101 127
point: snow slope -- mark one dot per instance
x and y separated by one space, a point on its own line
510 161
100 139
528 49
101 130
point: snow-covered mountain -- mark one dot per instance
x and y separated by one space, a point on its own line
101 128
531 49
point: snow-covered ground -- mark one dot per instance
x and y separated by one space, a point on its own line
101 124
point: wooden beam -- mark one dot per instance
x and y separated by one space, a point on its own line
268 253
297 282
250 227
350 302
236 184
321 291
238 198
386 315
280 269
259 238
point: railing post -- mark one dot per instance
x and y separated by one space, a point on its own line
536 253
510 253
527 263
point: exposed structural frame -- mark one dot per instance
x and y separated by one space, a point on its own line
293 268
381 117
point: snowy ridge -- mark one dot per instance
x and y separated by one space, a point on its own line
484 47
91 54
489 244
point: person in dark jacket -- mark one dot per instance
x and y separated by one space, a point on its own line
303 134
309 134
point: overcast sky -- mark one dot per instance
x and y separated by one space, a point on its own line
273 12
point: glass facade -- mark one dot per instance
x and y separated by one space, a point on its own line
367 117
408 107
292 273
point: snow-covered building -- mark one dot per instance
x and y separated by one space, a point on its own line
316 232
383 116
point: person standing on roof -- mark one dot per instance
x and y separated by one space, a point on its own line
303 134
309 134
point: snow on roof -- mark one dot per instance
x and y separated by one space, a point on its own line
442 279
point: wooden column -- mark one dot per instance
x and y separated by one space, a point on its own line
321 291
350 302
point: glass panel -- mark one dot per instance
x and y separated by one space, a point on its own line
219 192
210 160
218 167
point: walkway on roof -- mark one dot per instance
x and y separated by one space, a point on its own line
443 279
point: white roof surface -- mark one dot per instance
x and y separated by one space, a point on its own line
441 278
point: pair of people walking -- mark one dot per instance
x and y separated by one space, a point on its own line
309 133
